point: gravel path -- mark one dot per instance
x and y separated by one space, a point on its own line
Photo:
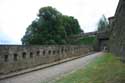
53 72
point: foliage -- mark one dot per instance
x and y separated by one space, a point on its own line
103 24
87 40
51 27
105 69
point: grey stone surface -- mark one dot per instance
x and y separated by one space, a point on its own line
54 72
117 24
18 57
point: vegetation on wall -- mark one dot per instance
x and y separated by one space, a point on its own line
51 27
87 40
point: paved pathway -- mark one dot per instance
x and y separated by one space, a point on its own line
53 72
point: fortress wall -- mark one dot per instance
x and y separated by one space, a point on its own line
18 57
117 24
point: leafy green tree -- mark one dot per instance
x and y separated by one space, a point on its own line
103 24
71 25
51 27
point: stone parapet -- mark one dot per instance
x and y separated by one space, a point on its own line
19 57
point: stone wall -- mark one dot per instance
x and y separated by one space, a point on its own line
16 57
117 24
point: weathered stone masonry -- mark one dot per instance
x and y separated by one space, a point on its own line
18 57
117 24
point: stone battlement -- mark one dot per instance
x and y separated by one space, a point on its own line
18 57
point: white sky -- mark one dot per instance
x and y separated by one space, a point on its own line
16 15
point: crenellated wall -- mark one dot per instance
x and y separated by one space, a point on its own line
18 57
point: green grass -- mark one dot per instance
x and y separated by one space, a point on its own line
105 69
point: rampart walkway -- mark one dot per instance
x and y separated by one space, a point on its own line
53 72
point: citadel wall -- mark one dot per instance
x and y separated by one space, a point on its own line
18 57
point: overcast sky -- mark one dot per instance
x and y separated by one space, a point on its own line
16 15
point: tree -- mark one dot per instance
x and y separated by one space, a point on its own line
50 27
71 25
103 24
